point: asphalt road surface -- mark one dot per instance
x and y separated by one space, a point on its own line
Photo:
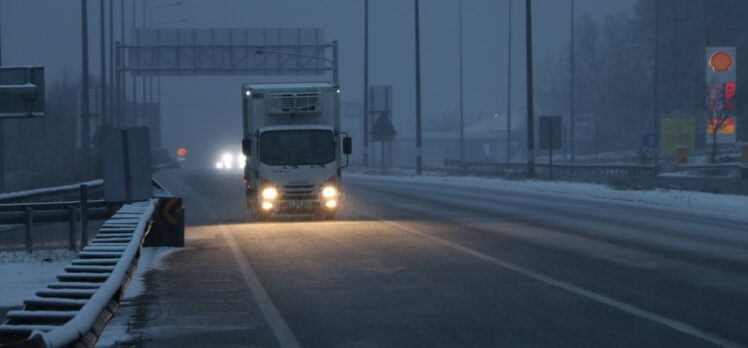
432 265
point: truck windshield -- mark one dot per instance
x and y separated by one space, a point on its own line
297 147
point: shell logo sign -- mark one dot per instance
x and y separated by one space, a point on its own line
721 61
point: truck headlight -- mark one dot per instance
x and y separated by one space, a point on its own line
329 192
270 193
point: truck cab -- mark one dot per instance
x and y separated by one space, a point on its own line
294 149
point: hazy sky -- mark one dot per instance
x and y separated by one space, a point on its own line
203 113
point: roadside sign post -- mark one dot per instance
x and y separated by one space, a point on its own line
382 131
550 138
720 78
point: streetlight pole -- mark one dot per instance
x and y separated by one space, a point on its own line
102 43
143 111
419 159
509 85
462 105
366 83
656 92
85 150
134 78
530 117
2 124
120 57
572 92
111 63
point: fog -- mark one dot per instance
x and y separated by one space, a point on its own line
203 113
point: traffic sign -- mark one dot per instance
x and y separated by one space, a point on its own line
550 132
21 92
382 130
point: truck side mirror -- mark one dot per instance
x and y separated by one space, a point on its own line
347 146
246 147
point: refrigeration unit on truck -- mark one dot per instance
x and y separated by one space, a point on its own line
293 148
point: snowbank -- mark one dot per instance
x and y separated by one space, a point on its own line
733 206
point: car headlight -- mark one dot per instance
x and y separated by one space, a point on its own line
270 193
329 192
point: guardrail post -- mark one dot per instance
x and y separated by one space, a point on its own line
29 220
71 239
84 215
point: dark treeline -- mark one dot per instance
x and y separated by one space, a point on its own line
615 70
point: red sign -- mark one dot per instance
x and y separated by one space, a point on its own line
721 61
181 152
730 96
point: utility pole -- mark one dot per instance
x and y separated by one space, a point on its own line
509 85
85 127
462 105
366 83
120 53
2 123
110 112
143 112
134 78
530 119
419 153
572 136
656 92
102 42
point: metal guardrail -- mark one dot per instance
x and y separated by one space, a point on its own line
560 170
94 190
716 169
31 211
727 178
75 310
73 212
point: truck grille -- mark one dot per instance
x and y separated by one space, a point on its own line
292 103
297 192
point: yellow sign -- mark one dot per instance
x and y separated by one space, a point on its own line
675 132
727 126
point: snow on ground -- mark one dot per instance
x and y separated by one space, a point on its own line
150 259
702 203
21 273
117 329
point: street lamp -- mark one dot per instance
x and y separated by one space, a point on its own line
333 62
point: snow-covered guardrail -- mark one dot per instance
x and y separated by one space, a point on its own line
74 310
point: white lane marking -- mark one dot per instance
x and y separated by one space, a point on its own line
671 323
647 265
281 330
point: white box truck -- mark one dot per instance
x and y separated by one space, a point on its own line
293 148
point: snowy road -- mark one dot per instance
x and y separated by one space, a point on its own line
422 263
